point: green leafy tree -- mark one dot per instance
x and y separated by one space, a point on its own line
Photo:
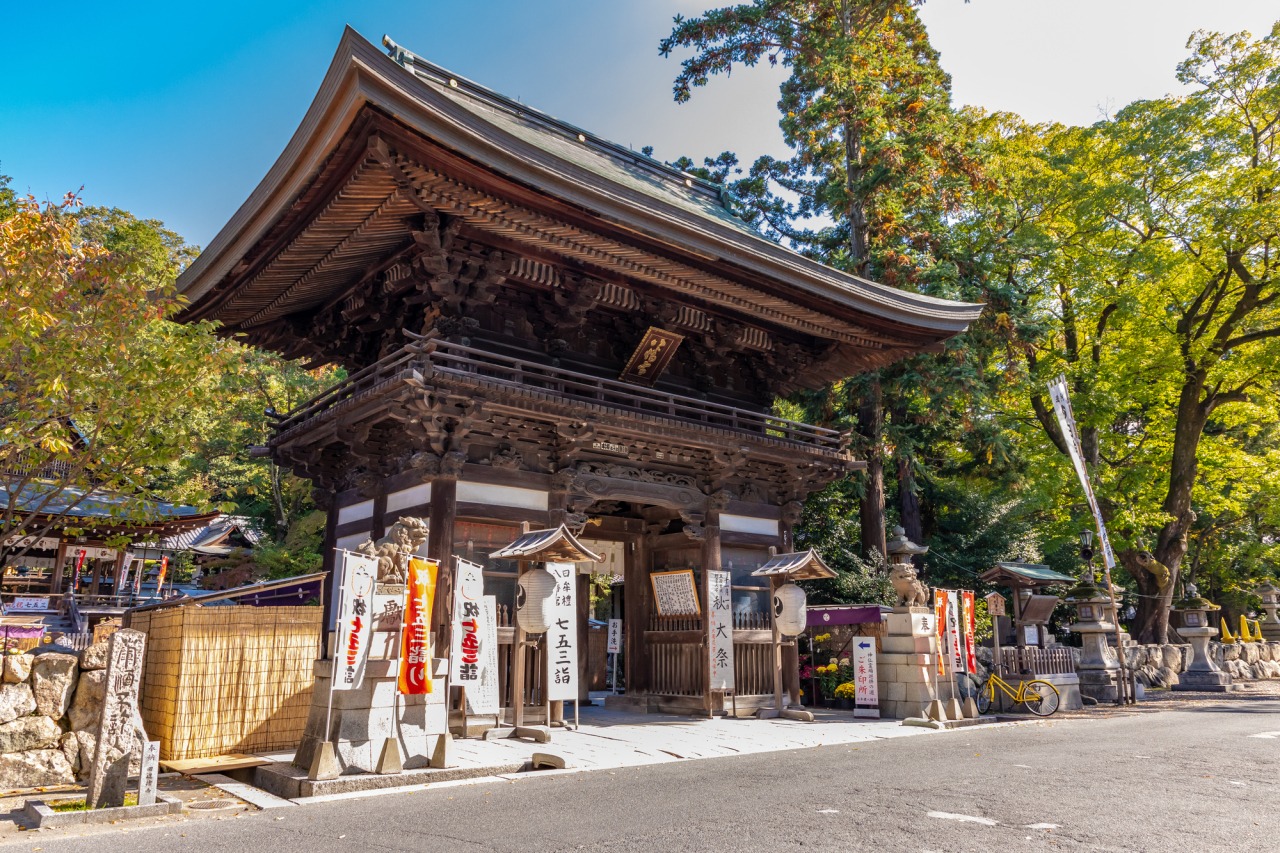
95 383
879 160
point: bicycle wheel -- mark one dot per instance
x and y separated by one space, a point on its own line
986 692
1040 697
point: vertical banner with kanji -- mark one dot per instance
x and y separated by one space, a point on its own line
562 635
940 615
468 627
75 578
164 570
720 629
415 641
955 647
355 619
970 627
484 698
866 690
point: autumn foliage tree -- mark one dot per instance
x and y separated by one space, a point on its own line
95 383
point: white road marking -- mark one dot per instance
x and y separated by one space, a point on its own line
828 811
964 818
1272 735
1041 826
1024 766
1234 782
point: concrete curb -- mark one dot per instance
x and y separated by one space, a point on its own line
46 818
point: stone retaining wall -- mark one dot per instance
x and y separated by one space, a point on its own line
50 705
1159 666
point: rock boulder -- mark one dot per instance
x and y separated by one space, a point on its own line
16 700
17 668
35 768
70 745
1171 657
24 733
86 710
94 657
53 678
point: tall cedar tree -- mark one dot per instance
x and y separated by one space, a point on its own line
878 161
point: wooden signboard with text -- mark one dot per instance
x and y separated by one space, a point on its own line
675 593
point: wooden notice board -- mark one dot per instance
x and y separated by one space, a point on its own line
675 593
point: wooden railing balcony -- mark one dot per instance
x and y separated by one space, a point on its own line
442 362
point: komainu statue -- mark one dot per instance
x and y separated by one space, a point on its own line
911 592
394 550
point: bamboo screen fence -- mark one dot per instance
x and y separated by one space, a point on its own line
227 679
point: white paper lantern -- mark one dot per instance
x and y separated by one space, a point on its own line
789 609
534 596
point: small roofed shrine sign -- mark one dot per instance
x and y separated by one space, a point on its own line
651 357
674 593
116 729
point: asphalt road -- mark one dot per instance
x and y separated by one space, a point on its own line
1202 779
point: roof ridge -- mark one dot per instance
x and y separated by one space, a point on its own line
431 72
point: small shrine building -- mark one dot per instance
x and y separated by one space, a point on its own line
540 326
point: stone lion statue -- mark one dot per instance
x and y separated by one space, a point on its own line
394 550
911 592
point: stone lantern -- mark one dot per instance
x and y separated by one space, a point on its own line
1198 615
1270 601
1099 671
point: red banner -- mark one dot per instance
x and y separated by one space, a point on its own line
164 568
75 579
969 624
415 649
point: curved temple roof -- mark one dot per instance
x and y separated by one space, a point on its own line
683 225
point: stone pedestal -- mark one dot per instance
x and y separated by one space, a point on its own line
1099 671
906 661
364 719
1202 673
1270 603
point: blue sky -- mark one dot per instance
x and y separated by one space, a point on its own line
175 111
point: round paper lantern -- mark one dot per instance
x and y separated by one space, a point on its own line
789 609
534 594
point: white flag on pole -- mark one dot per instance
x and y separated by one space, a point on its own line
1067 421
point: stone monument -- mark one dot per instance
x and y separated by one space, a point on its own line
1270 601
1099 671
909 647
374 728
117 728
1197 626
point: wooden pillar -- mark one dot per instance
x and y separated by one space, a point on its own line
95 572
637 596
790 654
584 638
443 517
55 577
328 587
711 561
115 577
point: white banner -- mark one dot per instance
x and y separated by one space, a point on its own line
468 617
867 691
955 644
615 637
37 603
1067 421
355 620
720 629
562 635
484 699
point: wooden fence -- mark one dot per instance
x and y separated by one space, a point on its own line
227 679
1038 661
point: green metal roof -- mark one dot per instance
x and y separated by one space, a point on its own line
1033 572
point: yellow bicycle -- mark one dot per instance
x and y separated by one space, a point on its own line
1040 697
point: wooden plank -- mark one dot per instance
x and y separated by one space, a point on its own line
214 763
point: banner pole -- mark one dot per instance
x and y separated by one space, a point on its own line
333 661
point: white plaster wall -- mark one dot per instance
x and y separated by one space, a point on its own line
748 524
485 493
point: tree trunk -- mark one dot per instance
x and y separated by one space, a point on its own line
871 508
909 503
1171 543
